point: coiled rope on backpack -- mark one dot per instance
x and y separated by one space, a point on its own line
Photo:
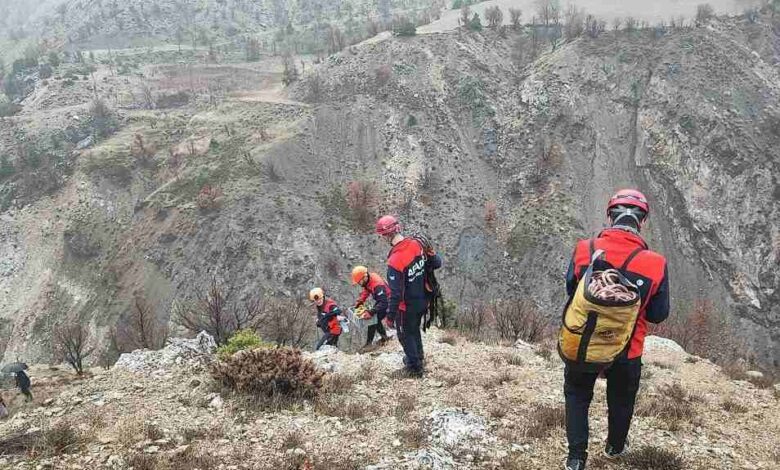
605 285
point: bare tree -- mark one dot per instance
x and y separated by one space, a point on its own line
71 344
141 328
286 322
704 12
215 311
465 16
494 16
515 14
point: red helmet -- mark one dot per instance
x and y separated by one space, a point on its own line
388 225
631 198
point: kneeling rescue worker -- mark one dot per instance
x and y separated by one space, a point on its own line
621 250
407 264
373 286
328 316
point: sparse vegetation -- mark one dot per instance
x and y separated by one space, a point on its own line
704 12
269 375
732 406
71 343
544 420
655 458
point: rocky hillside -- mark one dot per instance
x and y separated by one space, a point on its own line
498 145
479 407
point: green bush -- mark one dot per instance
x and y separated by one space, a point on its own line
241 340
404 27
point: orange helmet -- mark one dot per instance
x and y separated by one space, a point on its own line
316 294
359 273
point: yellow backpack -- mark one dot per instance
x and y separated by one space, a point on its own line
596 331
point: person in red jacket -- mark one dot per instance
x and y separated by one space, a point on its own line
372 286
328 318
409 290
625 249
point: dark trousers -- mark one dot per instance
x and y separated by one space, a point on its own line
622 386
376 328
329 339
408 327
27 393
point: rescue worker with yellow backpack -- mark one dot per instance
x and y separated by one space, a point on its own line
616 286
372 285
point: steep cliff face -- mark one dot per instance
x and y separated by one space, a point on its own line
504 153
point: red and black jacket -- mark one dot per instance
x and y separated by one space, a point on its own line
646 269
377 288
406 277
327 320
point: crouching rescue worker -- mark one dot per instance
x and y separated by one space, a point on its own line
375 287
410 266
623 275
328 318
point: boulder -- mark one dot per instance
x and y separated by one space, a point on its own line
182 352
656 343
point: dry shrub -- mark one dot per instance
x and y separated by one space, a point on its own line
491 214
361 199
414 436
382 75
704 12
672 404
544 420
344 408
338 382
703 332
734 371
515 359
498 380
209 197
449 338
405 406
153 432
143 151
61 438
281 373
366 373
293 440
654 458
733 407
691 360
188 459
545 351
505 320
498 410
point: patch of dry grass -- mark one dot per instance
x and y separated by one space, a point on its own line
544 420
293 440
449 337
414 436
733 407
497 380
654 458
515 359
672 404
60 438
405 406
338 383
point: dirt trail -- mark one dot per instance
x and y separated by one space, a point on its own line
654 11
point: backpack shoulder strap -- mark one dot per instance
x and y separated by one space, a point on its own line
631 258
591 247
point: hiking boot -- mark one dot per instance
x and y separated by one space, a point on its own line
574 464
407 373
611 453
